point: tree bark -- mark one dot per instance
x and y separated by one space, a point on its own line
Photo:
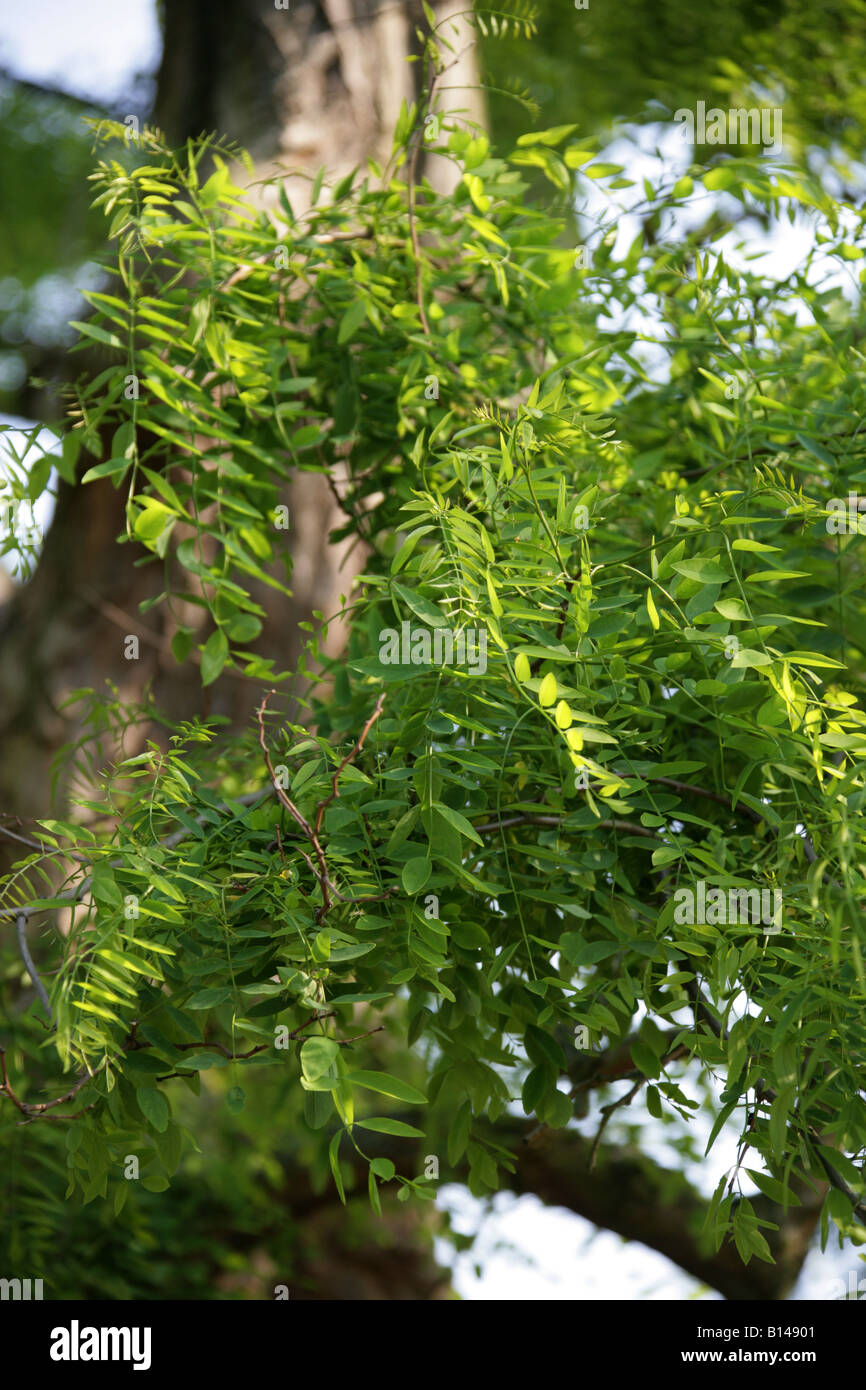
628 1193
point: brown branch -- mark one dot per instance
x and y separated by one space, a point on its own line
129 623
607 1111
35 844
626 826
629 1193
31 1111
688 788
21 933
616 1064
328 238
347 1042
217 1047
133 1044
286 800
322 874
323 805
328 890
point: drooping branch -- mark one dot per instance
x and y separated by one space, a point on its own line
21 932
32 1111
328 889
335 788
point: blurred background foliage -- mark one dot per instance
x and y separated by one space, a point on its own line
611 64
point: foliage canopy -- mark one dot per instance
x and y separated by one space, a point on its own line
613 475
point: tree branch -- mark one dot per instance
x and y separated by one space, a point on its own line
21 932
640 1200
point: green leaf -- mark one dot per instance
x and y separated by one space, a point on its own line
153 1106
373 1190
774 1189
235 1100
543 1049
209 998
458 1133
92 330
420 606
110 469
553 136
214 656
751 545
387 1085
352 320
383 1168
816 450
779 1111
181 644
457 822
415 874
547 690
652 610
318 1108
385 1125
645 1059
702 570
318 1055
202 1061
333 1159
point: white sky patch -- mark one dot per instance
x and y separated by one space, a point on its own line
92 48
657 152
29 522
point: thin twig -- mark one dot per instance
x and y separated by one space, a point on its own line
38 1109
281 794
21 932
328 890
626 826
34 844
323 805
606 1113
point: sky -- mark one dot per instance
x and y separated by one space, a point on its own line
105 50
